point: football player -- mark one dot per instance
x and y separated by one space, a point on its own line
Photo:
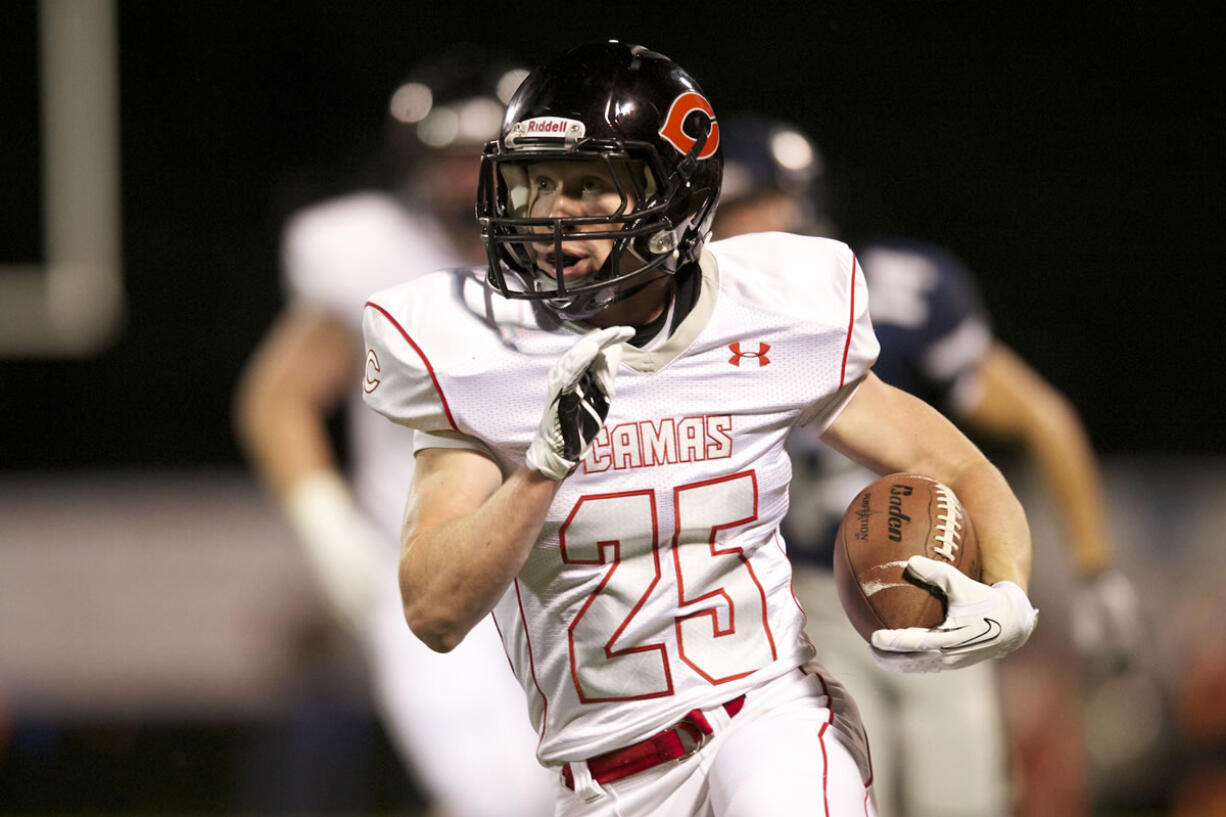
938 743
600 421
454 719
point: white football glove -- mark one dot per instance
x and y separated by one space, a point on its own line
580 391
1106 622
983 621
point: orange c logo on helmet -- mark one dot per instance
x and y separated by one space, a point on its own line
683 106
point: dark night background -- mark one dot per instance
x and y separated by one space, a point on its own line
1071 153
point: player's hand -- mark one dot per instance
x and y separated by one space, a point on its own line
580 391
1106 622
983 621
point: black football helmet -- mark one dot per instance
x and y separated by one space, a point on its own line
642 116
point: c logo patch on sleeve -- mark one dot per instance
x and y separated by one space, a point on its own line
372 372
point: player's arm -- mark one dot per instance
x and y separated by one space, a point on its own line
293 381
466 535
1013 402
467 532
887 430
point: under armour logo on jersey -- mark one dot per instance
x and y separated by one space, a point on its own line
372 371
760 355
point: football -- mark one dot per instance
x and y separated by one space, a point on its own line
890 520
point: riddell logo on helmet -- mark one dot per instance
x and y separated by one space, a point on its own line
673 132
546 127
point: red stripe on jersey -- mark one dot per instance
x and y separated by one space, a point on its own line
821 739
851 322
429 369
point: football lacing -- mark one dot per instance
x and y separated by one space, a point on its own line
948 524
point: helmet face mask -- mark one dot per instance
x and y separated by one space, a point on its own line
535 247
611 107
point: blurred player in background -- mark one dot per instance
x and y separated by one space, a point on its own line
939 748
457 719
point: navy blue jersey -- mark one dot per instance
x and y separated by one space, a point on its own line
934 331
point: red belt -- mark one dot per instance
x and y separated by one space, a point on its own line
682 739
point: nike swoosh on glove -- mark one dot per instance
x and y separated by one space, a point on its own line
983 621
580 392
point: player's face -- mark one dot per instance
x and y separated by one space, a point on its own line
575 190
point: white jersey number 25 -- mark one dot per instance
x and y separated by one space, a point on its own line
717 603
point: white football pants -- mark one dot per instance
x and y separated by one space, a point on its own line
778 756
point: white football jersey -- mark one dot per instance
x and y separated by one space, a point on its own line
659 582
334 254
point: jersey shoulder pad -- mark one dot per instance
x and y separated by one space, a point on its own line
413 333
807 277
808 284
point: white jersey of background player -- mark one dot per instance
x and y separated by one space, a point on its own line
601 458
452 718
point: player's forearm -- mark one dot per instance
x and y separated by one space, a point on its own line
1063 455
887 430
1016 403
284 441
937 448
280 421
295 378
452 574
1000 523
